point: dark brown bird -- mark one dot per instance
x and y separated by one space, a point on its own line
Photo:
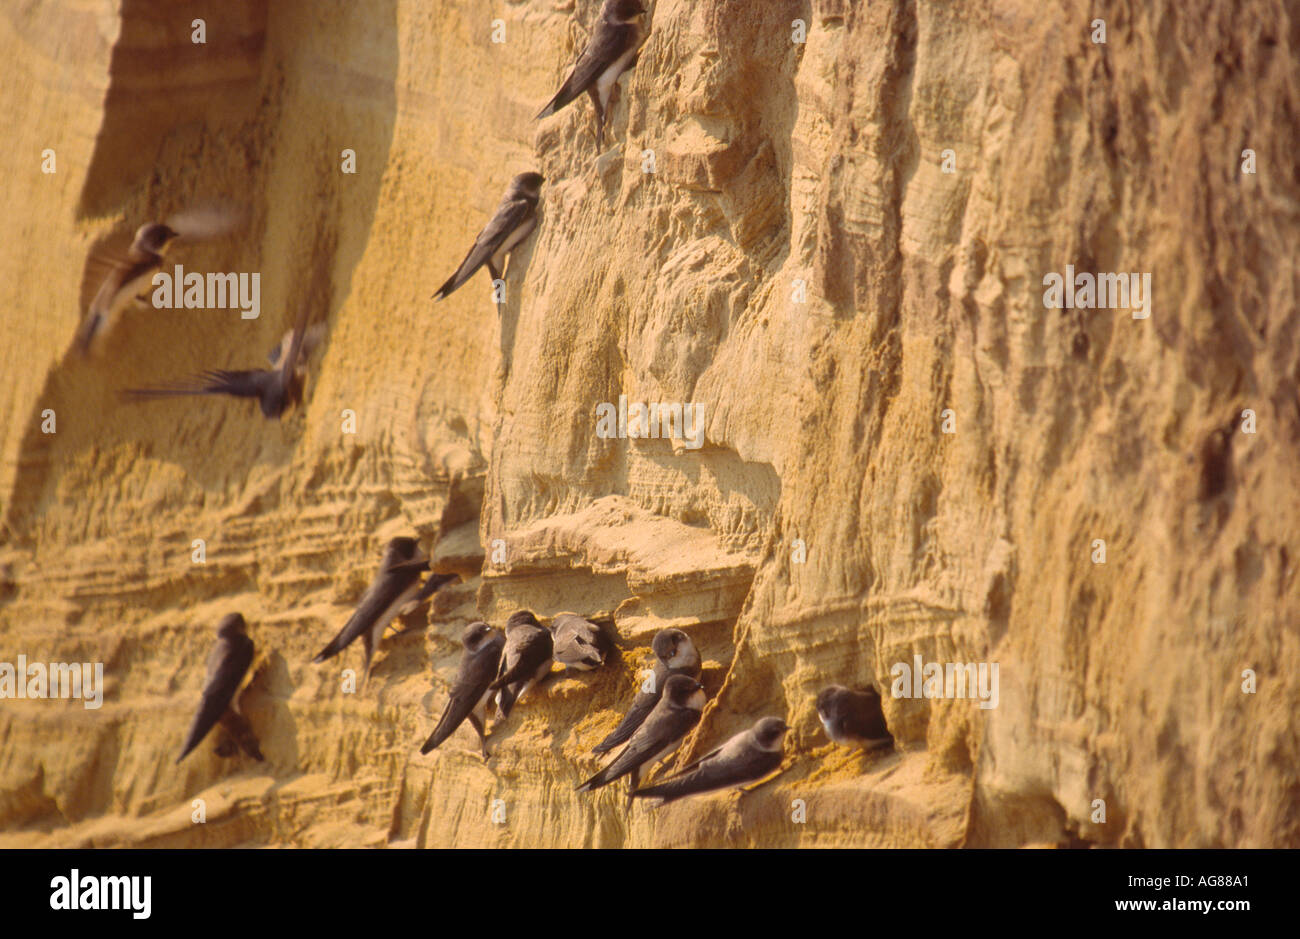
659 737
227 663
395 587
514 220
745 758
525 661
853 718
118 274
470 691
276 389
612 50
675 654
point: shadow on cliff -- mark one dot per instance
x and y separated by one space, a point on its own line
260 119
516 276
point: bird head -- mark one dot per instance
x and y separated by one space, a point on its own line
684 691
475 635
155 237
673 647
527 184
522 618
769 732
624 11
828 695
230 626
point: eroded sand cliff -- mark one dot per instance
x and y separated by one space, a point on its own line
774 162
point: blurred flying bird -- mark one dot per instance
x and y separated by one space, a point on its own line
118 273
276 389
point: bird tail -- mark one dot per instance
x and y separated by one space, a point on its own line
440 733
620 734
505 702
331 650
563 97
665 792
509 677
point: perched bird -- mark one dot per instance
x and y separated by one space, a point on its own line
675 654
470 692
853 718
117 274
745 758
612 50
659 736
515 219
577 642
227 663
524 662
276 388
396 584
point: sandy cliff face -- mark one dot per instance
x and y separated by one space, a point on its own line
797 264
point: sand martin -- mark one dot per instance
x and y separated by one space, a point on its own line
578 642
469 692
745 758
678 710
525 660
853 718
227 663
396 584
118 274
275 388
515 219
612 50
675 654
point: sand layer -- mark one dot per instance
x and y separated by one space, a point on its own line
798 263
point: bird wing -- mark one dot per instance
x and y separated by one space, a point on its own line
861 716
295 344
534 650
472 680
660 730
432 585
641 707
388 586
510 215
227 663
713 773
246 383
608 42
201 223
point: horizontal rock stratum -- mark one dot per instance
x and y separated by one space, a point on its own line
836 247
